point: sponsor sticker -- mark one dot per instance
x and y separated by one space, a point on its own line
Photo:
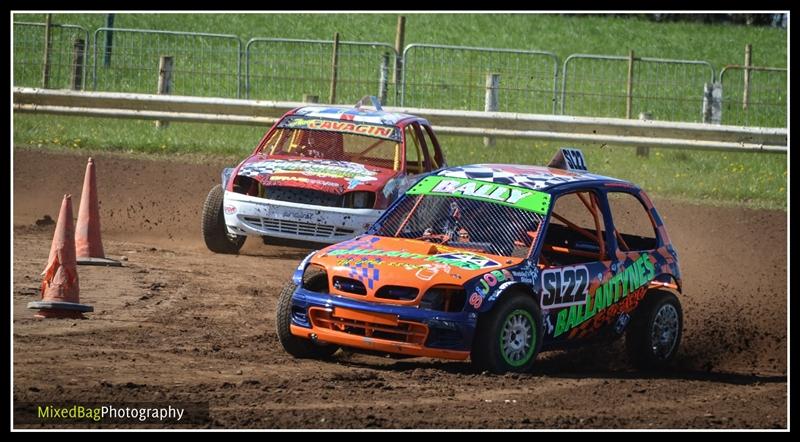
372 130
512 196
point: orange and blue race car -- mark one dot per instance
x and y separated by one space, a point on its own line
495 263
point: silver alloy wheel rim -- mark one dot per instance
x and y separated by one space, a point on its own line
516 337
664 334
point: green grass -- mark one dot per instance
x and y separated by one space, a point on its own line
720 44
728 178
749 179
450 79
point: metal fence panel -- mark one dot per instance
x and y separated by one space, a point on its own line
206 65
454 77
287 69
28 53
767 101
669 90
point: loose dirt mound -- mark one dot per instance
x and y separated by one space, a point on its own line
179 323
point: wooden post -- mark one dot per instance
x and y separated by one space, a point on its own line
716 103
109 40
748 53
164 83
644 151
712 103
334 68
399 41
383 83
308 98
46 61
491 101
78 46
707 99
629 94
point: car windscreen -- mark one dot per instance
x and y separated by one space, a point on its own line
464 223
372 145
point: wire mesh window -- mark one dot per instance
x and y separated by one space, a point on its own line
474 225
767 95
455 78
338 146
203 64
288 70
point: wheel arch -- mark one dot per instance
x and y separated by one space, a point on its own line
505 290
667 281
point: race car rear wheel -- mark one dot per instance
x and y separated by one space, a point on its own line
654 334
215 234
509 336
296 346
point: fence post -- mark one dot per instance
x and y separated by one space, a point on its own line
78 46
383 84
629 94
46 61
399 40
748 52
108 41
712 103
334 68
491 102
164 83
308 98
644 151
716 106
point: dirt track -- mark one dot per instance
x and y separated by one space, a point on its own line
179 323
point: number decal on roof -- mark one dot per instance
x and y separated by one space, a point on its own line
569 159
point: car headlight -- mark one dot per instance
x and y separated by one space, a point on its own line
362 200
444 298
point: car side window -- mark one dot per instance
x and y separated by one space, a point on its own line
634 228
414 157
576 231
437 160
427 150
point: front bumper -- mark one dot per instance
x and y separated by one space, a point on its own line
381 327
253 216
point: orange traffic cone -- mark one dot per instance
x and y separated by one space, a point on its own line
60 285
88 245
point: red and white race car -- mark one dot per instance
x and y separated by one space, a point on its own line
320 174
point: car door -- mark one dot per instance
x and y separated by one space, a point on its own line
574 260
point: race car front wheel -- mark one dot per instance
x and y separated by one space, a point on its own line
509 336
215 234
654 334
296 346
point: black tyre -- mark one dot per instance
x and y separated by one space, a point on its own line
654 334
296 346
215 234
509 336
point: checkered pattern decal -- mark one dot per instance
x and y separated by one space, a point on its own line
538 181
343 168
364 270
